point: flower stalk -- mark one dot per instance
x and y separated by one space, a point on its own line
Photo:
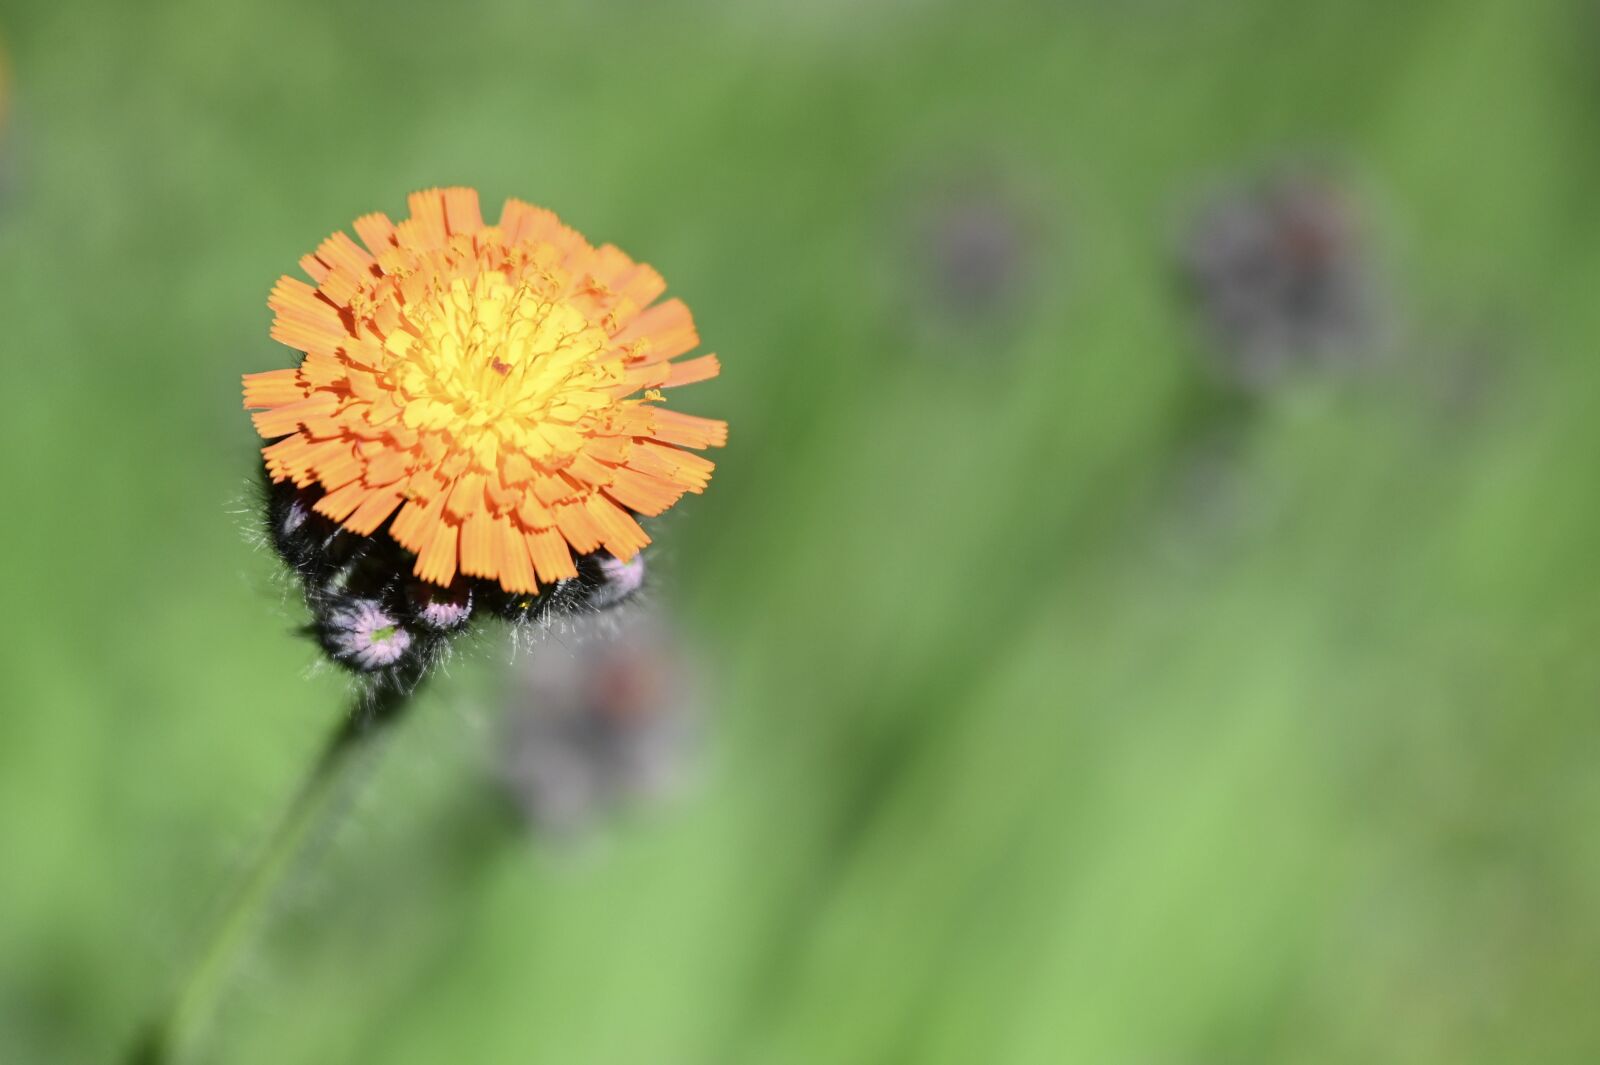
175 1033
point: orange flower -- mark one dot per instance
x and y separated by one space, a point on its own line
490 391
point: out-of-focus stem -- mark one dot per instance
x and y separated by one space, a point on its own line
175 1033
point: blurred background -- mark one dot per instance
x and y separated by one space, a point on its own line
1144 614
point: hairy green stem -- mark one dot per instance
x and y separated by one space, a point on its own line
174 1034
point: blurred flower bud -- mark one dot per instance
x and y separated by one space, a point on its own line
973 247
607 721
1282 275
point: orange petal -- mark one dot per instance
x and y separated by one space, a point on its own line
287 457
515 468
466 499
478 535
670 464
548 549
286 419
274 388
339 503
339 286
688 430
461 210
314 268
371 514
388 467
668 326
413 525
587 470
375 231
427 217
532 513
692 370
641 492
577 526
342 253
621 534
511 559
436 563
336 464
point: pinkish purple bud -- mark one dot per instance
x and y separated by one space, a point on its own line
441 609
363 635
622 579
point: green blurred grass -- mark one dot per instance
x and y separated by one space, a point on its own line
1023 753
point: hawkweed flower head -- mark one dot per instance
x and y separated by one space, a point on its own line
477 418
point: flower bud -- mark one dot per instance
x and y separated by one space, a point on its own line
362 635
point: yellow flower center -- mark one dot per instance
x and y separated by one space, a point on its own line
497 366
